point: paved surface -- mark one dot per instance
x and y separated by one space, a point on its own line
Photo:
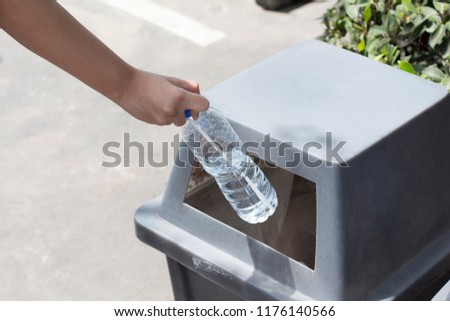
66 229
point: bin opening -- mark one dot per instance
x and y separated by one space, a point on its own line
291 230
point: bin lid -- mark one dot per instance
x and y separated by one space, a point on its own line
313 88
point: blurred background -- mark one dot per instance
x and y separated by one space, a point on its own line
66 230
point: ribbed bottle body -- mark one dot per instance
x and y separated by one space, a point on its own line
241 181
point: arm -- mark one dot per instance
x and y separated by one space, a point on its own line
47 29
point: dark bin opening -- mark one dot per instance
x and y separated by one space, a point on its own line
291 230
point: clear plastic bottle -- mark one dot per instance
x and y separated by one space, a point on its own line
218 149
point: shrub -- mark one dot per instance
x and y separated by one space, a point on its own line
412 35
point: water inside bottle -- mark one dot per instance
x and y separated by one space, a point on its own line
231 167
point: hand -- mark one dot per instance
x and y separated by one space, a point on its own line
161 100
49 30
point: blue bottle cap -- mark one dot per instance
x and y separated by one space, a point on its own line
187 113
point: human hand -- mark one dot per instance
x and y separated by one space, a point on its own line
50 31
161 100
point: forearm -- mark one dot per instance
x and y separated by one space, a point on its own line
47 29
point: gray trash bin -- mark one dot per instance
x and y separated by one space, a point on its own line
362 175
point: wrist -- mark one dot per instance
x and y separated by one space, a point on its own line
121 90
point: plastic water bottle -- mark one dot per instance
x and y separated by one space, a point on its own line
218 149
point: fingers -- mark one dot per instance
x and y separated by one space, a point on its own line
176 98
173 109
180 120
190 99
189 85
196 103
161 100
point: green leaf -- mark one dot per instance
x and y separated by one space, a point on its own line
380 5
356 26
437 36
409 34
431 28
407 58
441 6
362 46
389 22
380 58
352 11
367 13
446 82
406 66
431 15
392 53
376 31
434 73
407 4
375 45
395 55
444 48
407 37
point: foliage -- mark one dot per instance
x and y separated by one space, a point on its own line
413 35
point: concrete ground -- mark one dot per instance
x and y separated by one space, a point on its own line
67 229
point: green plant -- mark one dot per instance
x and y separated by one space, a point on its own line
412 35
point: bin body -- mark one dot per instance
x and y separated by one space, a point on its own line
359 165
